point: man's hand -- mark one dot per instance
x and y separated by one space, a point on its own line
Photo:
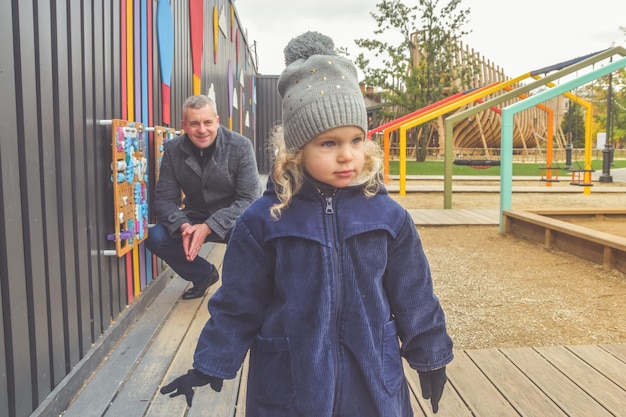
193 238
183 385
432 383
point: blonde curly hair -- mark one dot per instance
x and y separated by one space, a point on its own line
288 172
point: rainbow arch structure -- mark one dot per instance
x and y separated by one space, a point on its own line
440 109
430 112
446 105
453 103
564 69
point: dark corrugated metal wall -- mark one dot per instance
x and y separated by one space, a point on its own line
269 115
59 75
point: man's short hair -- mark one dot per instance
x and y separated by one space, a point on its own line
198 102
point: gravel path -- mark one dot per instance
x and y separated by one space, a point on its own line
499 291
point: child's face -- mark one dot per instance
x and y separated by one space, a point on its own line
336 156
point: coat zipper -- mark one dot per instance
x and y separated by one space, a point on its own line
330 211
329 200
329 205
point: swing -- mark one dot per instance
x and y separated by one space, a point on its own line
549 170
484 163
550 173
578 175
477 163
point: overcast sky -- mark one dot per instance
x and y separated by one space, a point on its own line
536 34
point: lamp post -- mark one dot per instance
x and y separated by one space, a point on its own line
569 147
568 151
606 152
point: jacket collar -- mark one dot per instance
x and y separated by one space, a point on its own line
193 160
321 187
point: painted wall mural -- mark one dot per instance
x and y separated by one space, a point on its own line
137 92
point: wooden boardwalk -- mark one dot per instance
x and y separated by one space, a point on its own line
585 381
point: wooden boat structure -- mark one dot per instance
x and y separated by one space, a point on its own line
478 137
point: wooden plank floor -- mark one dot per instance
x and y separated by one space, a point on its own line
585 381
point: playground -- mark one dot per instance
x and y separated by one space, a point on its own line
513 292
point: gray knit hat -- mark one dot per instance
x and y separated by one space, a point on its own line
319 90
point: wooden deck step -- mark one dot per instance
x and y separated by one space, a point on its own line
128 381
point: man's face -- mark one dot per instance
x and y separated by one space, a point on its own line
201 126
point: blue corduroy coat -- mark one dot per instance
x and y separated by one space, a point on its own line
327 300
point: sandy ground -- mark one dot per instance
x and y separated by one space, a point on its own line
500 291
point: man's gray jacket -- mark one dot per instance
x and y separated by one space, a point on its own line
217 194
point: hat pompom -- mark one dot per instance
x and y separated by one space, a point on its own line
308 44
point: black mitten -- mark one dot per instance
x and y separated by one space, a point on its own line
432 383
183 385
